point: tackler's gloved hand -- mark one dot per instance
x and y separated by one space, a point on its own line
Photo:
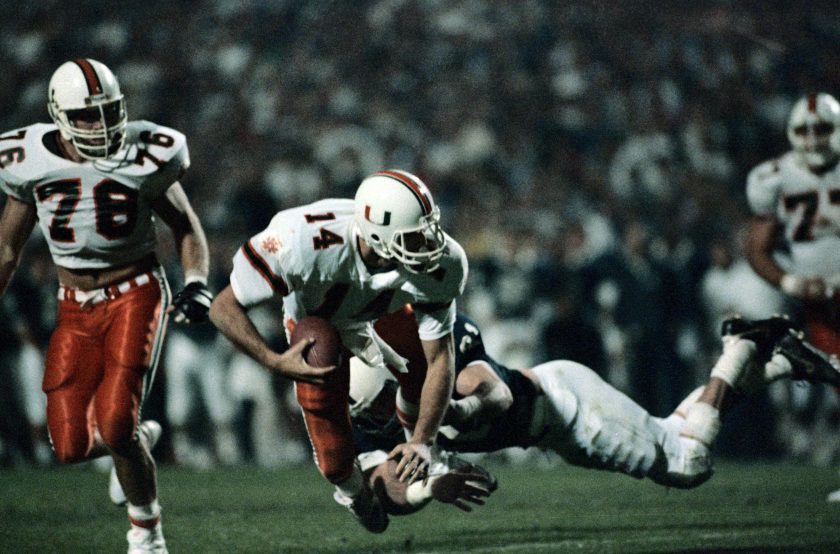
192 303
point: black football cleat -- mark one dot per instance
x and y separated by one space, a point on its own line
765 333
808 362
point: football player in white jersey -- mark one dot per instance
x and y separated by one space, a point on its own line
796 198
351 262
564 407
94 182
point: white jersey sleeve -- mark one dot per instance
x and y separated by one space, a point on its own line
433 325
258 267
15 187
763 188
165 149
279 260
436 317
93 213
14 148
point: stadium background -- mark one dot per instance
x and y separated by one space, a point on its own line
591 158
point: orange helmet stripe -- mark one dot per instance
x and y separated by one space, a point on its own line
415 187
91 78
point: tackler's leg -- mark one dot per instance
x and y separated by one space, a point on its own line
754 354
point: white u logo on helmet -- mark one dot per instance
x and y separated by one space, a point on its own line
386 219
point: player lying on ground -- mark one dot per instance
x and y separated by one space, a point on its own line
565 407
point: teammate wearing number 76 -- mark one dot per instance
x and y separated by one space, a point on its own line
94 183
795 200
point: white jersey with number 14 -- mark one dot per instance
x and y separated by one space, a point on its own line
309 256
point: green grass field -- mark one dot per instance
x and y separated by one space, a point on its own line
757 507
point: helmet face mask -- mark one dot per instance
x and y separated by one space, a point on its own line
397 218
420 250
88 108
814 130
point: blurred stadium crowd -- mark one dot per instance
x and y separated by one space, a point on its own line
590 156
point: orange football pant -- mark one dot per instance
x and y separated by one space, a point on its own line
325 407
823 324
100 363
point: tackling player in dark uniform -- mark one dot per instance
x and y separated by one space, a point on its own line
565 407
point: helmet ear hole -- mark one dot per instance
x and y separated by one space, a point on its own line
374 236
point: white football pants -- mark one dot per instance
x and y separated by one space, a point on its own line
591 424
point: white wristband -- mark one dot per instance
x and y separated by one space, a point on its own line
195 276
794 285
418 494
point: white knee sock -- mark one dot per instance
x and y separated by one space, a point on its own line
777 368
737 355
682 409
146 516
353 485
702 422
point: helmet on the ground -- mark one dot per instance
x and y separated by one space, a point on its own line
82 94
366 384
398 219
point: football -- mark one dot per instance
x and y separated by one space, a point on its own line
326 350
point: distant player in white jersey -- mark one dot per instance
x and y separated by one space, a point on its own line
796 198
93 182
351 262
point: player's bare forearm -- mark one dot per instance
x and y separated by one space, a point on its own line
437 389
195 259
230 317
415 456
762 237
485 396
8 264
16 224
191 243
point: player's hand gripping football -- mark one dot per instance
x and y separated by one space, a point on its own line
459 486
292 364
191 304
414 461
